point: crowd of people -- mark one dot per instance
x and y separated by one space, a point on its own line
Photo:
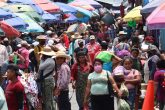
102 62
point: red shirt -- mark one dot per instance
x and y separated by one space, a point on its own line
93 49
11 93
66 41
84 69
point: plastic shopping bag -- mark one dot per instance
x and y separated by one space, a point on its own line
123 105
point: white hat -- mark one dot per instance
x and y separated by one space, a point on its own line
5 39
92 37
50 42
35 43
23 42
76 36
122 33
41 37
63 54
49 32
48 51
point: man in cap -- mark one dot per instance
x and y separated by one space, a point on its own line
8 47
121 35
14 92
23 56
93 47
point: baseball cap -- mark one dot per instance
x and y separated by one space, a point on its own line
92 37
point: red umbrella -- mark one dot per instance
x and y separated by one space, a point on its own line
9 30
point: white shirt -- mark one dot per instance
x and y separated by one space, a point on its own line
3 55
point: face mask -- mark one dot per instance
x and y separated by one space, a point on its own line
98 68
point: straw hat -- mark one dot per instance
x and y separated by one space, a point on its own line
63 54
48 51
23 42
76 36
41 37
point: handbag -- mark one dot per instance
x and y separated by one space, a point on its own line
110 88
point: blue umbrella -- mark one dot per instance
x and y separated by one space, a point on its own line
151 6
66 8
21 1
37 9
17 23
4 14
71 18
49 17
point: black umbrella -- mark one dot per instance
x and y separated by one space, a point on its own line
108 19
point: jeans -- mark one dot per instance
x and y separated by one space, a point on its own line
131 98
63 101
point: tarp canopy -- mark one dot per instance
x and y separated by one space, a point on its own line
17 23
71 18
151 6
156 20
134 14
66 8
33 26
9 30
4 14
49 18
115 3
21 1
27 9
95 4
82 4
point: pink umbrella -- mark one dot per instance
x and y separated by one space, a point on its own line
156 20
82 4
9 30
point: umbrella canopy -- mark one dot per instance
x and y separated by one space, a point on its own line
48 17
71 18
4 14
3 4
115 3
21 1
17 23
95 4
156 20
82 4
134 14
72 28
108 19
27 9
9 30
66 8
33 26
48 6
151 6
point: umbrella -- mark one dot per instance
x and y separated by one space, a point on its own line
71 18
134 14
4 14
48 17
82 4
41 1
27 9
93 3
33 26
21 1
3 4
108 19
66 8
17 23
9 30
151 6
156 20
72 28
115 3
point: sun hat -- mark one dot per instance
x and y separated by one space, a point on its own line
5 39
49 32
92 37
23 42
76 36
41 37
14 68
48 51
63 54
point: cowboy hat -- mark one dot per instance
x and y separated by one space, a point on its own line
41 37
48 51
63 54
76 36
23 42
